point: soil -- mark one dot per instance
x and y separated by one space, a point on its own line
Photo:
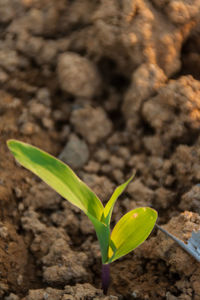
109 87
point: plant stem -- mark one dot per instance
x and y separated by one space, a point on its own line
105 278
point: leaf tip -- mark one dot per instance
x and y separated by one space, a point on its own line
10 143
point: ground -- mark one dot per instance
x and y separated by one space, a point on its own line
109 87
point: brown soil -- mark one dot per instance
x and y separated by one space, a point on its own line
110 86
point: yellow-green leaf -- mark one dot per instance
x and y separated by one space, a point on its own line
57 175
131 231
106 216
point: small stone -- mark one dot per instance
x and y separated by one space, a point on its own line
92 167
102 155
38 110
106 168
47 123
118 175
75 153
19 279
18 192
124 152
91 123
21 207
43 95
117 162
46 296
134 294
9 59
77 75
3 232
29 128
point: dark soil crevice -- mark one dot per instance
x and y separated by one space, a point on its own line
190 55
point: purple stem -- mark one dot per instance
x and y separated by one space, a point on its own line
105 278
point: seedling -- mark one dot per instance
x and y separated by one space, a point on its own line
131 230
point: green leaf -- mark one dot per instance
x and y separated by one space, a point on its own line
106 216
131 231
57 175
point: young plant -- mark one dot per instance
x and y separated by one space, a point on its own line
131 230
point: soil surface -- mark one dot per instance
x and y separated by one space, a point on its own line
110 87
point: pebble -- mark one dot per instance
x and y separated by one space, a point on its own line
77 75
75 153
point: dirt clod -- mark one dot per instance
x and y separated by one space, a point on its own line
75 153
91 123
77 75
